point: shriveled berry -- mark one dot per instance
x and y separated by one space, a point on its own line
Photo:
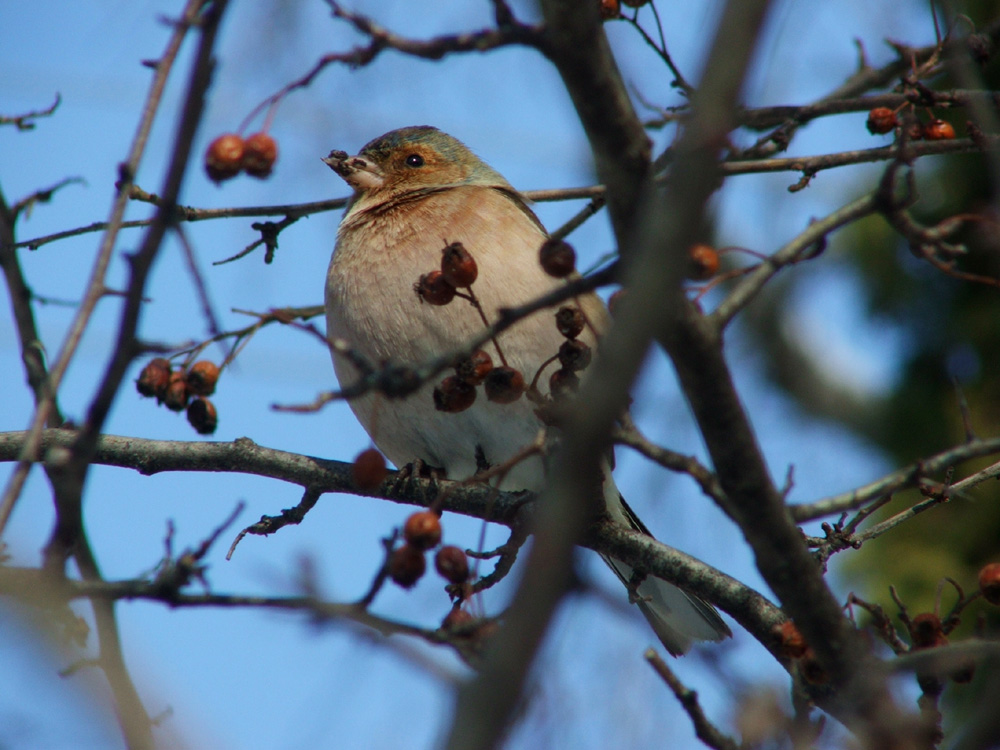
474 368
224 157
368 470
790 640
557 257
458 266
926 632
574 355
259 155
434 289
452 564
989 582
423 529
202 377
504 385
453 395
881 120
610 9
176 396
704 262
570 321
939 130
406 565
154 378
201 414
563 383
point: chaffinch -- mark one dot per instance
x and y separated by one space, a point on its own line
416 190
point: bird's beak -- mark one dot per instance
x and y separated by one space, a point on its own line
357 171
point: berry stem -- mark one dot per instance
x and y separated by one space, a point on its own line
474 301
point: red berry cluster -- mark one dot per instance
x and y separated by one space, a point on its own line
175 389
456 393
422 532
230 154
885 120
574 355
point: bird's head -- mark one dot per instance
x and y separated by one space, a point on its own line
411 160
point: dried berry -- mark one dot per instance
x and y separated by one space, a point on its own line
458 266
453 395
202 416
176 396
557 257
474 368
224 157
989 582
154 378
610 9
423 529
201 378
563 383
570 321
368 470
406 565
434 289
939 130
704 262
574 355
259 155
504 385
452 564
881 120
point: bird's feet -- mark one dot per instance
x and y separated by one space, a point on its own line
408 481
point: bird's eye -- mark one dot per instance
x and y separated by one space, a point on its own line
414 160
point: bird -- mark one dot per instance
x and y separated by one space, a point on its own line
418 190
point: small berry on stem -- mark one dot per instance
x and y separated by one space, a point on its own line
458 266
434 289
557 257
939 130
201 378
704 262
406 566
423 530
474 368
570 321
154 378
176 396
989 582
452 564
574 355
201 414
504 385
881 120
260 154
224 157
368 470
454 395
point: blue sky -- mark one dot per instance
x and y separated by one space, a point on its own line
251 680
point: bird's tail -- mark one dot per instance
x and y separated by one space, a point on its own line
677 617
